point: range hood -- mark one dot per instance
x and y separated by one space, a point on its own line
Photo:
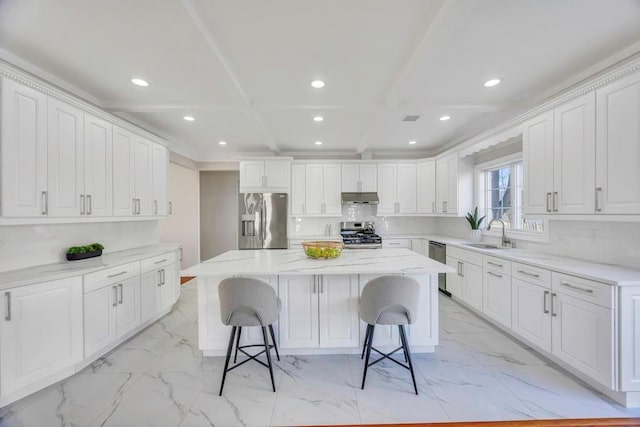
360 198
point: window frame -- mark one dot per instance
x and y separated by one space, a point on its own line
480 193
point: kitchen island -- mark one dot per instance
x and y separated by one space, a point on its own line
319 312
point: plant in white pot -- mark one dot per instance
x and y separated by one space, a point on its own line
475 222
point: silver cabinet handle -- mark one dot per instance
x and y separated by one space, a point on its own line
598 191
160 261
89 205
159 277
155 207
494 264
555 201
548 202
444 207
111 276
459 274
121 294
115 295
138 206
82 204
45 203
526 273
553 296
170 208
494 274
577 288
133 206
314 284
181 253
544 302
163 277
8 297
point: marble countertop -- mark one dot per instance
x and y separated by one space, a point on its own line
294 262
61 270
311 237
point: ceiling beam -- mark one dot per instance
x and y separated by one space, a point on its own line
431 22
226 65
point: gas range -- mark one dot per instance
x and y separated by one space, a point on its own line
360 235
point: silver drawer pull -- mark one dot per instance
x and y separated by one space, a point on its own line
111 276
121 294
526 273
553 297
577 288
8 316
544 302
161 261
115 297
494 263
494 274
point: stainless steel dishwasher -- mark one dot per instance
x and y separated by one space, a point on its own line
438 252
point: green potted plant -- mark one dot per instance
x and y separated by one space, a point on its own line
475 223
76 253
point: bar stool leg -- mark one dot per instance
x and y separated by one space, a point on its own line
364 345
405 344
235 357
404 349
371 329
226 360
266 347
273 338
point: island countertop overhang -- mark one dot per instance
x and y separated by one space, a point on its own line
295 262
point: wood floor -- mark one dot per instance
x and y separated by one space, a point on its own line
185 279
584 422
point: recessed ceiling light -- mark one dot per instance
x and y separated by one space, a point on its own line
140 82
318 84
412 142
189 118
492 83
444 118
222 143
318 118
318 142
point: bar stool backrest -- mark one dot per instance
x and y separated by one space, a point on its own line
246 301
391 300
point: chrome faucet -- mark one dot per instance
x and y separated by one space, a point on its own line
505 240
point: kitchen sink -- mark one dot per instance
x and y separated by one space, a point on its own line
483 246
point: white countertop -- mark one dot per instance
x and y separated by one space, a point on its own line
294 262
47 272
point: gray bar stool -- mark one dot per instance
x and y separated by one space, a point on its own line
246 302
389 300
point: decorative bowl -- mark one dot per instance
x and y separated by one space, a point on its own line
323 249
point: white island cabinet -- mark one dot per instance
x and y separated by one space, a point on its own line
319 313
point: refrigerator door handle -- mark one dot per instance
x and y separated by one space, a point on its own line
264 224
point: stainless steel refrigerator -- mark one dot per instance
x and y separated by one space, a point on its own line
263 221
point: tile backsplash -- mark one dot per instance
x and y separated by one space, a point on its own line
23 246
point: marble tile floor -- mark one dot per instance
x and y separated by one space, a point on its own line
159 378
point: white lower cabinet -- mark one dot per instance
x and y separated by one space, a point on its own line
40 333
454 280
582 335
472 285
530 313
110 312
319 311
497 296
157 290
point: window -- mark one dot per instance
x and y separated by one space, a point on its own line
501 192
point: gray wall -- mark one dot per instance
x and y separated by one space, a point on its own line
218 212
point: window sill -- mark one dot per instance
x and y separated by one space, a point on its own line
519 235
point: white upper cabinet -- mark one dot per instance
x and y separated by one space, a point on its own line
316 189
537 151
426 187
358 178
65 154
23 170
574 156
160 173
142 161
397 188
618 147
123 173
265 176
98 166
454 185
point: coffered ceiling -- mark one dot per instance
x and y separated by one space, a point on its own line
242 68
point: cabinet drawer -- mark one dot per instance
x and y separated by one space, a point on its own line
531 274
99 279
150 264
467 256
497 264
395 243
584 289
